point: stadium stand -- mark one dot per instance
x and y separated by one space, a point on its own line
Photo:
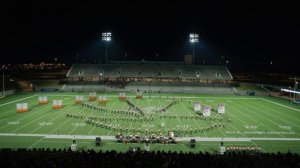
149 77
150 71
129 70
136 157
168 71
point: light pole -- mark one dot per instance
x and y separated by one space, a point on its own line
194 38
3 84
106 36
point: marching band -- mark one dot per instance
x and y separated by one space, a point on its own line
151 138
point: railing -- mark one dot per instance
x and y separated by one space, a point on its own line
7 92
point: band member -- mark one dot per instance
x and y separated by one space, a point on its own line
222 143
74 140
171 135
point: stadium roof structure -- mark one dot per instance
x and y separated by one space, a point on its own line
150 71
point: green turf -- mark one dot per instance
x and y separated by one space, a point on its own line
250 117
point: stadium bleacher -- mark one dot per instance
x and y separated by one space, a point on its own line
151 71
136 157
173 72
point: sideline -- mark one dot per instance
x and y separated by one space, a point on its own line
280 104
215 139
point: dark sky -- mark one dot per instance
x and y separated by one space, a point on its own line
240 31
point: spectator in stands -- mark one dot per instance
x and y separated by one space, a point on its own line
137 158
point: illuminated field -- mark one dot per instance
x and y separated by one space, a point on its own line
271 123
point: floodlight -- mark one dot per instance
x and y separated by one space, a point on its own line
194 38
106 36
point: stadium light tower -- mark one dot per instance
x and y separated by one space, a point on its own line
194 38
3 94
106 36
3 83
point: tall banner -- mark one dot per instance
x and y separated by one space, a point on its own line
22 107
57 104
207 111
197 106
92 96
102 100
221 108
43 99
139 95
122 95
79 99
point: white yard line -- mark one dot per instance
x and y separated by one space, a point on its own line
91 130
32 121
75 127
29 122
280 104
111 112
115 119
275 116
60 125
283 114
63 113
41 108
247 109
137 103
17 100
30 112
72 130
258 145
35 143
92 111
162 117
237 129
80 112
276 124
197 123
4 114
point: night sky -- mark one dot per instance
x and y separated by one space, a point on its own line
239 31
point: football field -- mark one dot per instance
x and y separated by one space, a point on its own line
271 123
